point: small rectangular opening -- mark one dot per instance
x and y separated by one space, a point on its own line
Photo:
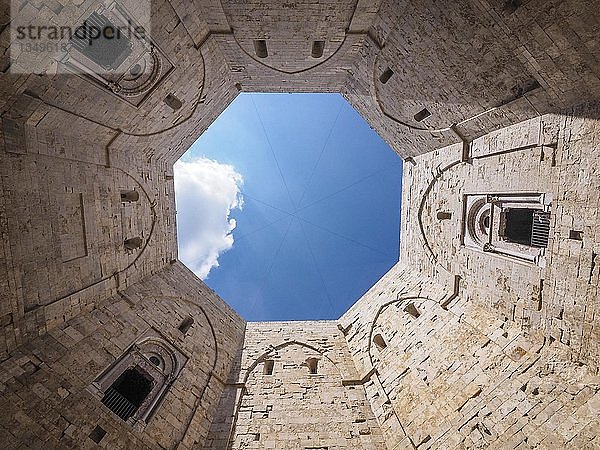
386 75
379 342
422 115
173 102
186 324
412 310
576 235
260 48
268 368
313 364
317 49
97 434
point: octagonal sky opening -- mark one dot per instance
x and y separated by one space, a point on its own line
288 206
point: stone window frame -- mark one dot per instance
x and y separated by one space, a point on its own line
150 345
481 219
123 83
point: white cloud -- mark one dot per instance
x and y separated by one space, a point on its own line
206 192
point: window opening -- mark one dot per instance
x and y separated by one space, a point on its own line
97 434
412 310
576 235
127 393
260 48
386 75
154 360
422 115
186 325
129 196
312 365
173 102
268 367
109 49
518 225
317 49
133 243
379 342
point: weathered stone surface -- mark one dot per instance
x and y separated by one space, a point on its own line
453 348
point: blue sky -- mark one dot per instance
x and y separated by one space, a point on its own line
288 206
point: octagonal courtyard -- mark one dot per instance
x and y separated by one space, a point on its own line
313 193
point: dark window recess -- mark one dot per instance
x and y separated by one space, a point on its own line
129 196
540 231
422 115
257 436
444 215
526 226
154 360
97 434
133 243
379 342
173 102
576 235
518 225
127 393
260 48
313 364
386 75
101 41
317 49
186 325
268 367
412 310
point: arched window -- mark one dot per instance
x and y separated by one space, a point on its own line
134 385
379 342
513 225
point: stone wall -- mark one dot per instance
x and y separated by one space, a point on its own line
45 385
288 407
470 349
442 372
454 348
556 154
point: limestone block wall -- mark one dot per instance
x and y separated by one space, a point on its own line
287 407
453 70
503 356
556 154
45 396
442 372
63 232
462 59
